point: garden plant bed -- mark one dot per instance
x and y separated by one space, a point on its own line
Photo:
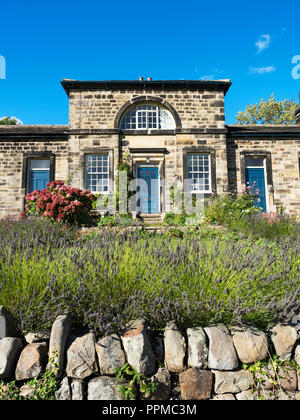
110 277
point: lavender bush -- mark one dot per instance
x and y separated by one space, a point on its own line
112 277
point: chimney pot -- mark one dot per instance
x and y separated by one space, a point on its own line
141 78
149 79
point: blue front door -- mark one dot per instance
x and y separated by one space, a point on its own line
148 190
38 174
38 180
256 177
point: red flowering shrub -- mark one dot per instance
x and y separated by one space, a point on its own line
60 202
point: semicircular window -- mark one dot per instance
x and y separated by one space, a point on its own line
148 116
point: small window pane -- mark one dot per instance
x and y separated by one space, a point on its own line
39 164
251 161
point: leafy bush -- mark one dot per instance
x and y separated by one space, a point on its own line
225 210
183 219
172 219
115 220
60 203
271 226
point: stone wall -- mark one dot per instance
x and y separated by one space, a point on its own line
79 145
200 127
13 151
284 172
97 109
196 364
199 110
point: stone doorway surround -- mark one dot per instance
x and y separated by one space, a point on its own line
155 157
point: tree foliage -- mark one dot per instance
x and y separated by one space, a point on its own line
9 121
268 112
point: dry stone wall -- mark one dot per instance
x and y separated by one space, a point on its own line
197 364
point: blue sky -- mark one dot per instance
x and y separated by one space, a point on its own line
251 43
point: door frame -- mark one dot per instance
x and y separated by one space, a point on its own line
156 166
25 168
267 156
32 171
264 167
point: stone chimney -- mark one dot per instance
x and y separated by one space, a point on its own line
297 114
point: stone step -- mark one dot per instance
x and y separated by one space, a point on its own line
151 219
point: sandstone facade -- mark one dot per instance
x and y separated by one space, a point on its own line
96 110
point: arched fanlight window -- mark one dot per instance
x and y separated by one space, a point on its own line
148 116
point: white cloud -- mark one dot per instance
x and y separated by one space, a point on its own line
213 75
263 42
262 70
207 77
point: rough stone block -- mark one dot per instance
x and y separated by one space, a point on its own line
232 382
250 344
105 388
222 354
60 331
175 348
7 324
196 384
10 349
284 338
81 356
110 354
32 361
137 347
197 348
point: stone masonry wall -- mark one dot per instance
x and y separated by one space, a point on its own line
176 144
83 144
98 109
284 153
196 364
12 153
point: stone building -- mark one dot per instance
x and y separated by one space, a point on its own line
165 129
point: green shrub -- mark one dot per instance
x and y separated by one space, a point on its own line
115 220
226 210
270 226
172 219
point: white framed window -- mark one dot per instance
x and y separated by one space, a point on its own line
148 116
199 172
97 173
